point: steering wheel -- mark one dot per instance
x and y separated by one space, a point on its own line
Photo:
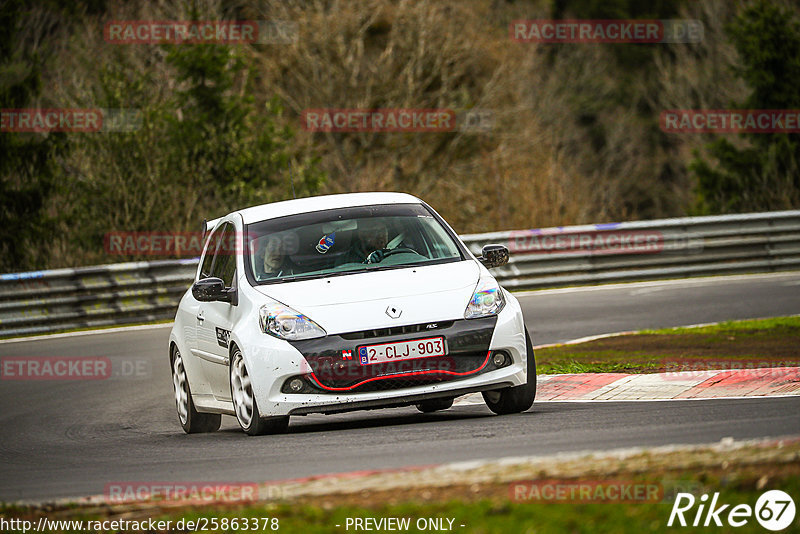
398 250
390 252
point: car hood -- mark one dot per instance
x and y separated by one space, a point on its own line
360 301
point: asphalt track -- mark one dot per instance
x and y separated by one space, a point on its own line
69 439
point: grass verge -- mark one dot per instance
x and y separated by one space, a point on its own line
730 345
494 504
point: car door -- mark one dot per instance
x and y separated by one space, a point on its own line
215 319
188 316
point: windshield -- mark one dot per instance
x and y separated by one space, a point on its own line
346 240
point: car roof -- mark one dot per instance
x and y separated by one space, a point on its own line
326 202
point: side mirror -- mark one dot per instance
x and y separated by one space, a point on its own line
210 290
494 256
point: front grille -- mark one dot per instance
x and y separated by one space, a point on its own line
396 331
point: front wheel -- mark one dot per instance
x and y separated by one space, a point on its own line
245 405
515 399
192 421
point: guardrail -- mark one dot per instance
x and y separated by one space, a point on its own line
124 293
647 250
104 295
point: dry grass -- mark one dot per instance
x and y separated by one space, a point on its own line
541 165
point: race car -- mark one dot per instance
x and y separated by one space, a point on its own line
343 302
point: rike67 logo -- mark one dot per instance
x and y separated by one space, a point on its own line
774 510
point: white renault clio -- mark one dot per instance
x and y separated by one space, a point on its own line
343 302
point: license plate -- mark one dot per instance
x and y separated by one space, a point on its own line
401 350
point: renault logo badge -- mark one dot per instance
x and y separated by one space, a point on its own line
394 312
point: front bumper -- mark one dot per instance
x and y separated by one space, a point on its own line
337 384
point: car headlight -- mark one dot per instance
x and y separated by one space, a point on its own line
487 300
285 323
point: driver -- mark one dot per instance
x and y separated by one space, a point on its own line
275 263
373 237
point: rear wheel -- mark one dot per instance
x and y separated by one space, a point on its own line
245 405
518 398
434 405
192 421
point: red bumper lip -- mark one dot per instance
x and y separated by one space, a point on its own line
313 376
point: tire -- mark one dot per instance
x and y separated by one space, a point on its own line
192 421
515 399
245 405
434 405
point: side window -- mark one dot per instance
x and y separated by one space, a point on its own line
225 262
208 259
